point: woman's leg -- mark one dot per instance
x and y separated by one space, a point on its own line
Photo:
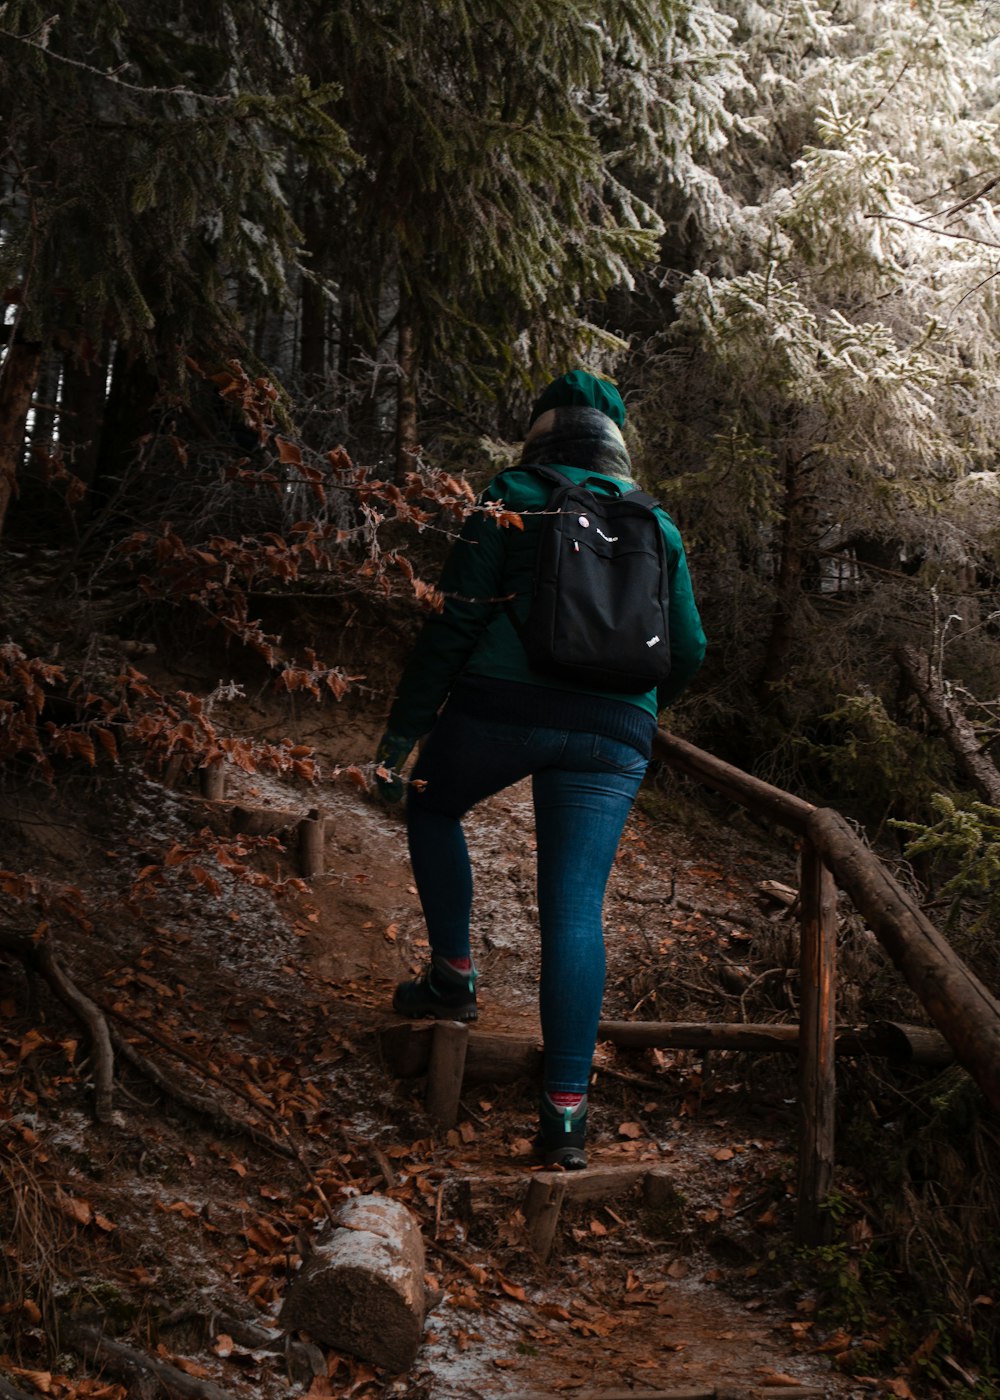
580 809
464 761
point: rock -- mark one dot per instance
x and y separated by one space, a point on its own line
362 1289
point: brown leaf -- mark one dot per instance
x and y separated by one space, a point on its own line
630 1130
287 451
777 1378
41 1380
724 1154
74 1207
838 1342
30 1044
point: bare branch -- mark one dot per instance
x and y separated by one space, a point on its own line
944 232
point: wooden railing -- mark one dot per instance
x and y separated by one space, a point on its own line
832 855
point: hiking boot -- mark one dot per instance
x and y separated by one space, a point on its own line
561 1135
440 991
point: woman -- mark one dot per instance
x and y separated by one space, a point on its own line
585 750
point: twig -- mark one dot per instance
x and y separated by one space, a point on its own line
110 74
637 1080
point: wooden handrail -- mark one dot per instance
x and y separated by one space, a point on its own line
963 1009
965 1012
750 792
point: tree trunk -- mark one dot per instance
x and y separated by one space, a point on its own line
959 735
18 378
407 442
793 543
128 416
81 409
312 326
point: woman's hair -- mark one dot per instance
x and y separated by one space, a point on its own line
577 437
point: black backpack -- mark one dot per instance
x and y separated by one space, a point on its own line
598 613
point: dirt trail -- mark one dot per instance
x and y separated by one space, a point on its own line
277 1008
623 1300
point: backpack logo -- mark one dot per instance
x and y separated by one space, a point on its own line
653 640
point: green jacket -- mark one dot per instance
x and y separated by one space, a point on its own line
473 634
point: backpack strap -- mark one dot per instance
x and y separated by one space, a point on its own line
550 474
558 478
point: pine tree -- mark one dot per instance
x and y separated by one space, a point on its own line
142 180
836 358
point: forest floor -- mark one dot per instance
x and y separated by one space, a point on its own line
177 1232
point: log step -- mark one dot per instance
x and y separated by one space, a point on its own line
505 1059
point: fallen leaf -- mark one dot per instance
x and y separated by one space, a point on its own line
30 1044
724 1154
41 1380
777 1378
630 1130
223 1345
838 1342
75 1207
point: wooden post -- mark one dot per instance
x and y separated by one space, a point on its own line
445 1071
817 1077
212 780
541 1212
312 838
172 772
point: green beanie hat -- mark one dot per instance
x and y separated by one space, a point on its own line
578 389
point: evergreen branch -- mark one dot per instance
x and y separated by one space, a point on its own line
110 75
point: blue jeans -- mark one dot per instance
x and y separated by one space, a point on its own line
583 786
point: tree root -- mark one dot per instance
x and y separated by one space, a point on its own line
303 1360
40 957
11 1392
198 1103
146 1377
